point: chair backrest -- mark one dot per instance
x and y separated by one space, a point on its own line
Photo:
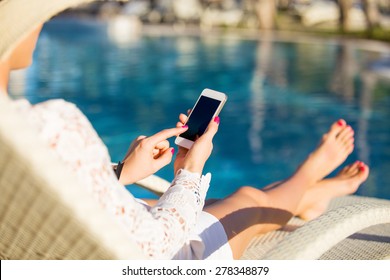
44 212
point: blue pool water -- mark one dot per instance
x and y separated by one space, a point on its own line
283 96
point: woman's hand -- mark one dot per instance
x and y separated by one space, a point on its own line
195 158
146 155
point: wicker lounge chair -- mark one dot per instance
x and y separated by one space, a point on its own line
44 214
354 228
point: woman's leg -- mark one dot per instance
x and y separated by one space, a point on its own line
250 211
316 199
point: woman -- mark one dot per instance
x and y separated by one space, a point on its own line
178 225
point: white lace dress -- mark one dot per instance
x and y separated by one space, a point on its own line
160 231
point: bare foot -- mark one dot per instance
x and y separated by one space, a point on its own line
317 198
332 151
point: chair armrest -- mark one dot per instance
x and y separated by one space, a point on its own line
154 184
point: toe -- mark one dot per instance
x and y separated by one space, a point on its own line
350 170
337 127
349 148
351 167
363 169
359 175
354 168
346 169
346 133
346 139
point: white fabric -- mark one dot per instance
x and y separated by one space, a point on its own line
208 242
161 230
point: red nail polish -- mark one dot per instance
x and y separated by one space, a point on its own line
340 122
173 151
184 126
362 168
216 119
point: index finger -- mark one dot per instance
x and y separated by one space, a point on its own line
165 134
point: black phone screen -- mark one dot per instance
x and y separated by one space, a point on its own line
200 117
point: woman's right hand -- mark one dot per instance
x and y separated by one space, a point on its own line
146 155
195 158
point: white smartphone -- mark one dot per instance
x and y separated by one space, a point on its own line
208 105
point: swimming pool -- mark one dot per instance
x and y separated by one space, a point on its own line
283 95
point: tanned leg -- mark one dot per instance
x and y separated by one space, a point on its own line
317 198
250 211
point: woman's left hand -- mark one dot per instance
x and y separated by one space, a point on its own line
147 155
194 159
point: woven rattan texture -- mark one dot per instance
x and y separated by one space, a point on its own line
33 225
372 243
344 214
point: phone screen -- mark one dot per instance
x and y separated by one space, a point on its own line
200 117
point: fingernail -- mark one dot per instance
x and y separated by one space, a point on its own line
217 119
184 126
362 168
173 151
340 122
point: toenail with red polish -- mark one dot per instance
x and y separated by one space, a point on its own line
340 122
362 168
